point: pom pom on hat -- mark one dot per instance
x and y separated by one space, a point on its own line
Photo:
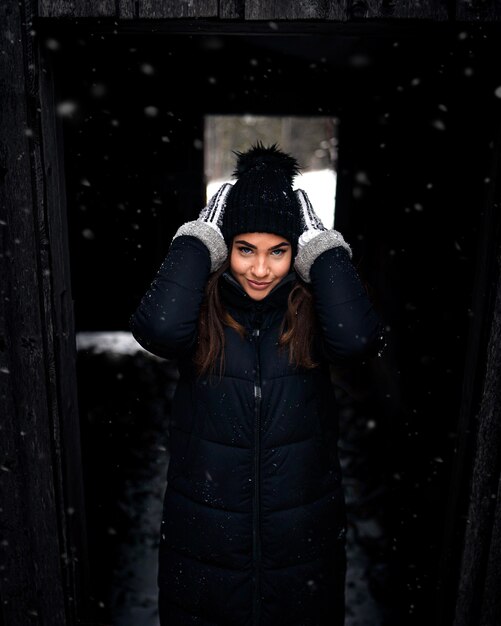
262 199
259 156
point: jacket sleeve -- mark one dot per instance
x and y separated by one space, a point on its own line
166 321
350 327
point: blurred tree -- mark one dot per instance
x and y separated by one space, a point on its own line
312 140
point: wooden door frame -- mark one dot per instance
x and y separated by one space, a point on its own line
41 483
39 325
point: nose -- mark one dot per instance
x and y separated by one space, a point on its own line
260 268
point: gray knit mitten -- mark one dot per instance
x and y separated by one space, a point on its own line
207 227
314 239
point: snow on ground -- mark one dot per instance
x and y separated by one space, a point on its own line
117 342
320 186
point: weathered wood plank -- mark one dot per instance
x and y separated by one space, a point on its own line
491 601
484 484
340 10
180 8
478 11
76 8
49 156
403 9
232 9
32 578
296 10
465 10
454 526
127 9
481 548
345 9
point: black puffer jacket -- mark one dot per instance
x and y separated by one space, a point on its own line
253 531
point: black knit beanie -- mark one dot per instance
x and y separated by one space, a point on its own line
262 199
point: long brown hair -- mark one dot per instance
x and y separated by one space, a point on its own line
296 331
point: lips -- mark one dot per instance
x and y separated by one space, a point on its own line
256 285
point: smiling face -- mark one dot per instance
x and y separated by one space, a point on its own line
259 261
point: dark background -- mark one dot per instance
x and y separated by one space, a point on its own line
410 202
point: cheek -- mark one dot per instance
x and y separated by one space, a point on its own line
235 263
285 265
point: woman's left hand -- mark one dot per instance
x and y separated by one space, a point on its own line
314 239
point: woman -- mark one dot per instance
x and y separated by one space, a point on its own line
255 298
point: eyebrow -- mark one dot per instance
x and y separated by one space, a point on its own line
283 244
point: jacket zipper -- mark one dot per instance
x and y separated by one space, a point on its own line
256 539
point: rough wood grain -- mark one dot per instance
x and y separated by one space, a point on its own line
58 299
76 8
345 9
180 8
465 10
491 600
479 531
32 578
127 9
232 9
454 525
404 9
296 10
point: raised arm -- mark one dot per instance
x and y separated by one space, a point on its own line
350 326
166 321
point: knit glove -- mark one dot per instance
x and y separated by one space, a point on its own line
315 238
207 227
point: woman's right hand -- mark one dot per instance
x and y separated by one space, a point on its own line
212 214
207 227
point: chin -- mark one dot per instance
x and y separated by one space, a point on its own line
260 296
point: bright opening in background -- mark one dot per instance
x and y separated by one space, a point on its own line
313 141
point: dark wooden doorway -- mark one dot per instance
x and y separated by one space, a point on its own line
416 230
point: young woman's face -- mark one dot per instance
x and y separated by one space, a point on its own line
259 261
